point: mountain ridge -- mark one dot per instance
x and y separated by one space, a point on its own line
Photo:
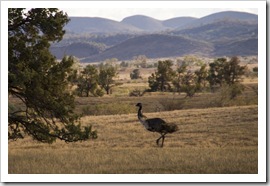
218 34
153 46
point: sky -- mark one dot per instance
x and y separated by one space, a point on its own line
118 14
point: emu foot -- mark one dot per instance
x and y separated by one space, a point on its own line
158 143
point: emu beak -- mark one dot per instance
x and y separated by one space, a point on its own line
137 105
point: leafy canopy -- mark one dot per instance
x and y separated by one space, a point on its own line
38 80
222 71
106 74
88 82
160 80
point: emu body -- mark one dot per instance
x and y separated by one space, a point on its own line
156 125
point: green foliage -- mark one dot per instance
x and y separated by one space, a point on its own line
236 90
124 64
172 104
189 84
233 71
216 71
227 93
186 81
108 109
190 61
222 71
160 80
106 74
177 81
99 93
255 71
38 80
202 75
140 61
88 82
137 93
135 74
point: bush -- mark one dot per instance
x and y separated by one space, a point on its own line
99 93
236 89
227 93
172 104
108 109
135 74
136 93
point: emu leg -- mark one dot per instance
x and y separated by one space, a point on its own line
163 138
158 140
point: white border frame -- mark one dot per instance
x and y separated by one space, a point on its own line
260 177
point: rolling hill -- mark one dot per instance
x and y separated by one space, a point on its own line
144 23
80 50
98 25
178 22
241 47
219 34
221 31
154 46
221 16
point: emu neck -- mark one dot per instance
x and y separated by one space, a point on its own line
140 115
142 118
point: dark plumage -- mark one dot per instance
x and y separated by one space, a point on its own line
156 125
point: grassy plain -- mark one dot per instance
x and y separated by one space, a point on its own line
216 136
214 140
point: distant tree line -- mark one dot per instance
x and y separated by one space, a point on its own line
218 73
95 80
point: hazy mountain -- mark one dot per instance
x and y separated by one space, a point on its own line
145 23
154 46
132 24
141 23
219 34
221 16
221 31
80 50
82 25
241 47
178 22
149 24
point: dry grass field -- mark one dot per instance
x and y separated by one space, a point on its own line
214 140
215 136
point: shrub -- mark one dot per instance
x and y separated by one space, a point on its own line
136 93
227 93
135 74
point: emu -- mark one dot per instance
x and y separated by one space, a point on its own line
156 125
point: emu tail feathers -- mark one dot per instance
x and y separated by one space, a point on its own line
170 128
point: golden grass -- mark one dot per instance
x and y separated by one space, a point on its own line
213 140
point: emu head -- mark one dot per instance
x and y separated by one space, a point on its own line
139 105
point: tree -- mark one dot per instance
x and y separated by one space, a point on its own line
140 61
255 71
189 84
124 64
39 81
223 71
233 71
202 75
191 60
185 80
216 72
106 75
160 80
181 71
88 82
135 74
